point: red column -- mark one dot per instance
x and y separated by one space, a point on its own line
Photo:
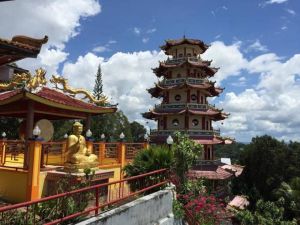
198 97
165 122
188 96
167 97
186 123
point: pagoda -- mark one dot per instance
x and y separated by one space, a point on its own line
184 86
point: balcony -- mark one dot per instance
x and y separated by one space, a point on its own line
156 132
182 59
176 81
194 106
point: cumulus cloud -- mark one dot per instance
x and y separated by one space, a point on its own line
60 20
126 76
257 46
137 30
275 1
227 57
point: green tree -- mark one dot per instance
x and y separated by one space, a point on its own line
111 125
137 131
186 152
98 87
264 160
10 126
265 213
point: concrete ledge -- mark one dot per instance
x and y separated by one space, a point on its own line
153 209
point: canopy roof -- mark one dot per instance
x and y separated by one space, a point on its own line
171 42
210 172
20 47
48 104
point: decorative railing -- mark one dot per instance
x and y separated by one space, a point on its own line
88 201
171 106
175 81
156 132
111 150
12 153
132 149
182 59
53 153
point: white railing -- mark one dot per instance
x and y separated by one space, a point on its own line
156 132
183 106
174 81
182 59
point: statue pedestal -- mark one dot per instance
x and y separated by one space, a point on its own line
79 168
54 177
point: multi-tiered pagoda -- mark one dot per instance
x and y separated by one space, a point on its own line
185 87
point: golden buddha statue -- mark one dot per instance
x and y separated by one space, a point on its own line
79 156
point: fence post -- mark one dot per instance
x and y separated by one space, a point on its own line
146 145
89 146
33 177
122 157
101 152
2 152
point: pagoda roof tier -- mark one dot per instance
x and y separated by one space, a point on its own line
48 104
159 88
160 111
164 66
20 47
171 42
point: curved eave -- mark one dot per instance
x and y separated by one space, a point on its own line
17 95
210 71
170 43
45 101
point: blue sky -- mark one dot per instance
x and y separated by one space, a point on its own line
254 42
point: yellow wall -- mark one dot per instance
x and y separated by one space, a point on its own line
13 185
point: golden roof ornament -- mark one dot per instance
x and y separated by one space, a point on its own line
60 81
25 80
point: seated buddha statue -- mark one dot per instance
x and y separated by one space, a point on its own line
79 156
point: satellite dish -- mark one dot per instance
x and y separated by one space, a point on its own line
46 128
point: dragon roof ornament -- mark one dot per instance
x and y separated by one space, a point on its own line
32 83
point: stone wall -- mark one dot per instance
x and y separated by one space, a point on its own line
153 209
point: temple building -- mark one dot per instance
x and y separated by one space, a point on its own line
184 86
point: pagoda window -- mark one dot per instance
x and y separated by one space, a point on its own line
175 122
201 99
180 55
195 122
177 98
194 97
207 125
178 75
189 55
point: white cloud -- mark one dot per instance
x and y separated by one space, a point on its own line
100 49
284 28
227 57
137 30
126 76
290 11
150 31
60 20
145 40
275 1
257 46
